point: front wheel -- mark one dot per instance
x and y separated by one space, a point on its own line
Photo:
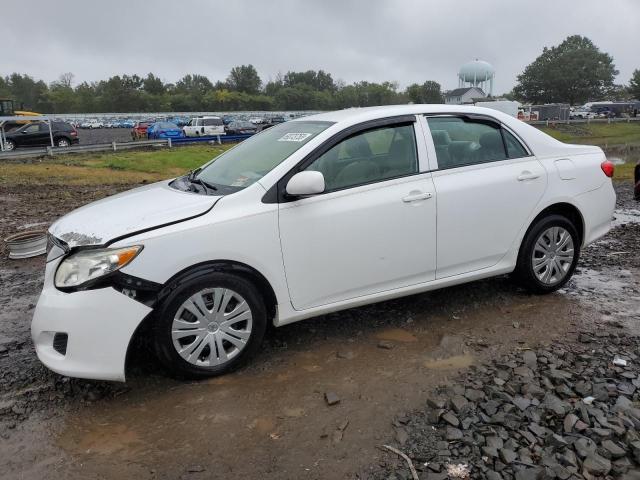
548 255
210 325
9 145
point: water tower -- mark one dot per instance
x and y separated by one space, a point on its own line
477 73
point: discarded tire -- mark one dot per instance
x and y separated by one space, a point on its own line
27 244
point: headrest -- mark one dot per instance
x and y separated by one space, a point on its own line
440 138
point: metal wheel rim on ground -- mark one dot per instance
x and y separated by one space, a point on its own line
211 327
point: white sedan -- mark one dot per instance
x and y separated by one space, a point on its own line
312 216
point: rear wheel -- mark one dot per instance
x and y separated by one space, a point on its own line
63 142
548 255
210 325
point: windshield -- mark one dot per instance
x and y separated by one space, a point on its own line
254 158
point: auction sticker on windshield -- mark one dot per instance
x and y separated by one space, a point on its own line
295 137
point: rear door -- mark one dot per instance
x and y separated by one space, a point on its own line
372 230
487 184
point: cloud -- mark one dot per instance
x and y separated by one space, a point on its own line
376 40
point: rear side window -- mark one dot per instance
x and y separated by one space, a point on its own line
367 157
461 142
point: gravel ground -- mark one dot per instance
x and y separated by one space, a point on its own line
569 409
30 394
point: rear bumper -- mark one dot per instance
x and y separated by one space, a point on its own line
99 324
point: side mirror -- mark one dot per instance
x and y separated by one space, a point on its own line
306 183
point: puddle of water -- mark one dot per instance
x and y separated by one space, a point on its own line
396 335
107 439
458 361
620 154
625 216
592 280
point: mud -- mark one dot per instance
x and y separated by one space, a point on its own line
271 419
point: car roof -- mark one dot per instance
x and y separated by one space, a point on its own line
539 142
361 114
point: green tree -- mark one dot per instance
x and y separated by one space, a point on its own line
428 92
153 85
317 80
634 85
26 92
245 79
574 71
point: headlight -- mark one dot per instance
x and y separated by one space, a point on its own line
91 264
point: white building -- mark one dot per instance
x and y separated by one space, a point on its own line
461 96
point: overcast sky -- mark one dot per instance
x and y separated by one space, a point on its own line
375 40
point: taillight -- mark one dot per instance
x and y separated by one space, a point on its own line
608 168
74 133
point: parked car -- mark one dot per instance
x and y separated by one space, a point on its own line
256 120
160 130
90 124
240 128
204 126
313 216
37 134
139 130
582 114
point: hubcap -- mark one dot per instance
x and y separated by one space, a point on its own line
211 327
552 255
63 143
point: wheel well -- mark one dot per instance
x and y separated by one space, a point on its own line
566 210
139 343
229 266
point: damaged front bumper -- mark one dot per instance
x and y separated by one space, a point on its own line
85 334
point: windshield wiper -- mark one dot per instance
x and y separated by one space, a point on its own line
205 185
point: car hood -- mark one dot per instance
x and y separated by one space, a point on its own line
130 212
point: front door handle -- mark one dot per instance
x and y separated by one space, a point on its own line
527 175
415 196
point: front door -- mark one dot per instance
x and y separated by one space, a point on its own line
374 227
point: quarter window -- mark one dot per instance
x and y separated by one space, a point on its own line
460 141
372 156
514 147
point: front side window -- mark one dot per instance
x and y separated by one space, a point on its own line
372 156
460 141
252 159
33 128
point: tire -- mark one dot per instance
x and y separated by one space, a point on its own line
62 142
175 321
10 145
561 255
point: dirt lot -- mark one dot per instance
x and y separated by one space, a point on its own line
271 419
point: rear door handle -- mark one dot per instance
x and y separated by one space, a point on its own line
527 175
414 197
